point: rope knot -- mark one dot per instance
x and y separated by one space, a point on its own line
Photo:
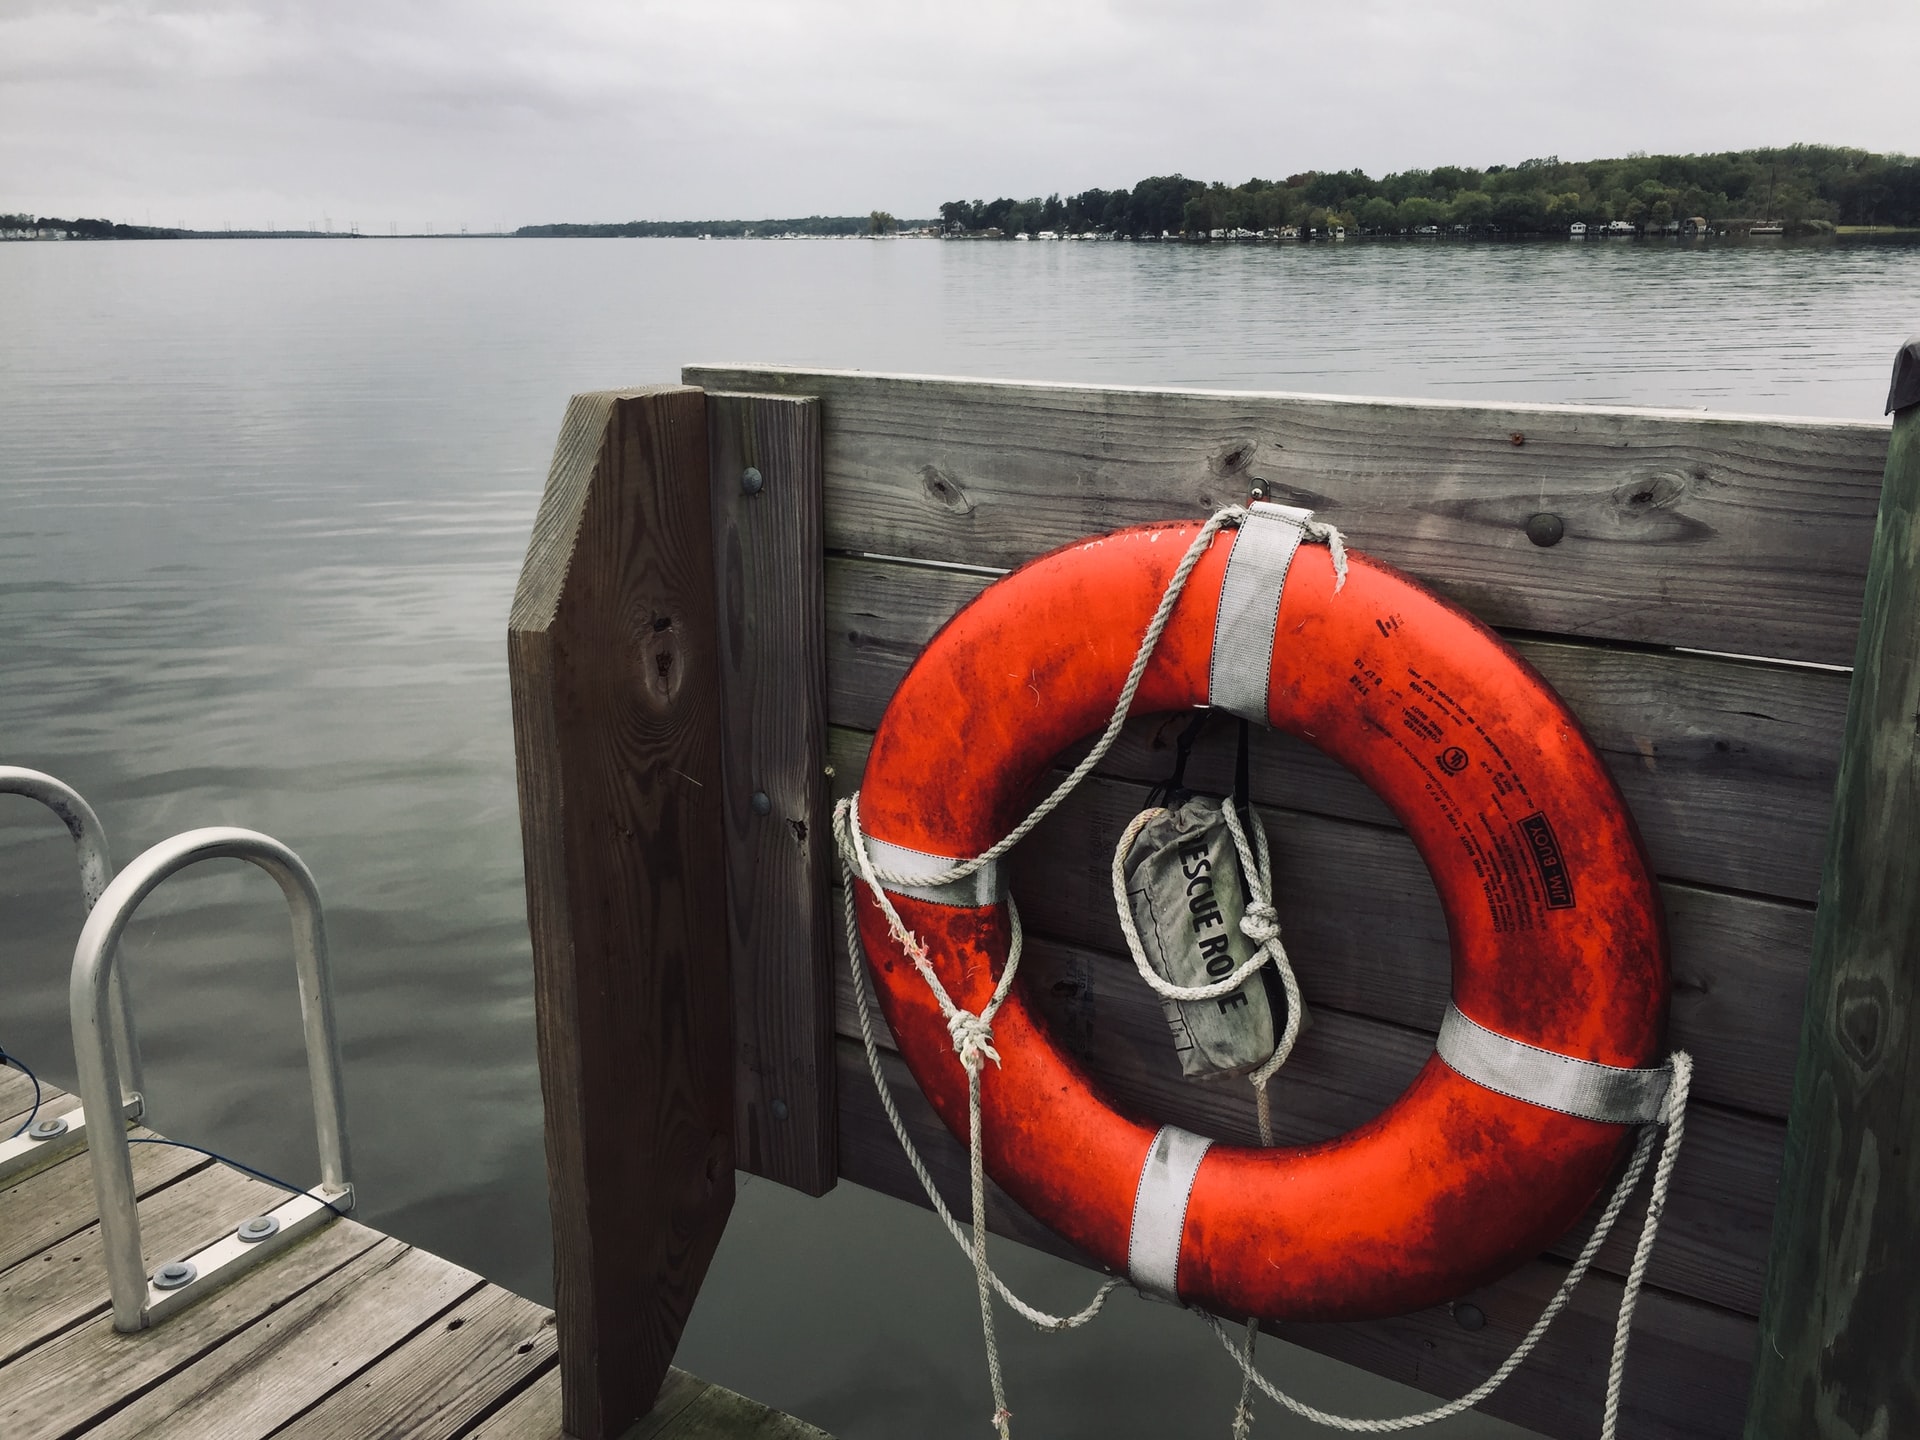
1336 543
972 1039
1261 923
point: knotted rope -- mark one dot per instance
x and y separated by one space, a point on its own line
1260 924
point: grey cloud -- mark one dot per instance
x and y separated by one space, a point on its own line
506 110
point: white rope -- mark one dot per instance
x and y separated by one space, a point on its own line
863 1005
1232 515
1260 924
1675 1124
973 1044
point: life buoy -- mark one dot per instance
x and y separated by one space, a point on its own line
1547 1054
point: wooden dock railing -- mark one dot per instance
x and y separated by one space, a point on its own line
726 583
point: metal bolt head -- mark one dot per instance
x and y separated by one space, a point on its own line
175 1274
779 1109
1469 1316
751 480
47 1129
1545 529
256 1229
762 803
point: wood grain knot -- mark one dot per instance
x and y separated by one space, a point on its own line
1229 459
1860 1020
944 491
1648 507
663 672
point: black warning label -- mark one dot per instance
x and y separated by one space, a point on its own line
1548 860
1501 829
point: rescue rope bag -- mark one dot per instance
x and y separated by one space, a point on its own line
1547 1056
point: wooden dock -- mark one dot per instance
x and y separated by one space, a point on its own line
349 1335
728 578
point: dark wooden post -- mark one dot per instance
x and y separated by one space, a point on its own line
615 670
1839 1347
769 561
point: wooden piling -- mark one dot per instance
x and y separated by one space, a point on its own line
615 669
1839 1329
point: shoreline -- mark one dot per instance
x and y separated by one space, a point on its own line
1837 234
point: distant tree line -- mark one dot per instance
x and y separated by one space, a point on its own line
88 229
876 223
1808 187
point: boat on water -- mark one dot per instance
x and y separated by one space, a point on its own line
1767 227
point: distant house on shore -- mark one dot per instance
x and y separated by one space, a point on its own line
1578 230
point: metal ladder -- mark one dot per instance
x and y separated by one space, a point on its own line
104 1054
55 1137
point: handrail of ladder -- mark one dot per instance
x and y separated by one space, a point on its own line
95 1048
96 873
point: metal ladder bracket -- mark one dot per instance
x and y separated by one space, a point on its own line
229 1257
26 1155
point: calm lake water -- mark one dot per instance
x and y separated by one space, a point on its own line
264 507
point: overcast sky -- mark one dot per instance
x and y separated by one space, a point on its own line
432 113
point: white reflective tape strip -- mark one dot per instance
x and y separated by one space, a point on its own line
983 887
1160 1210
1611 1094
1263 550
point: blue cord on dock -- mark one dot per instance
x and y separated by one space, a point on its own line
229 1160
26 1070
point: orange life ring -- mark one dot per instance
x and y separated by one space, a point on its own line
1558 944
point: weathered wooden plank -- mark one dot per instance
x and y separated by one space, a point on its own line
250 1385
16 1098
713 1412
614 662
46 1292
688 1409
1686 1375
1366 934
1727 765
1720 532
1346 1069
438 1383
51 1204
772 626
534 1414
88 1371
1841 1330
